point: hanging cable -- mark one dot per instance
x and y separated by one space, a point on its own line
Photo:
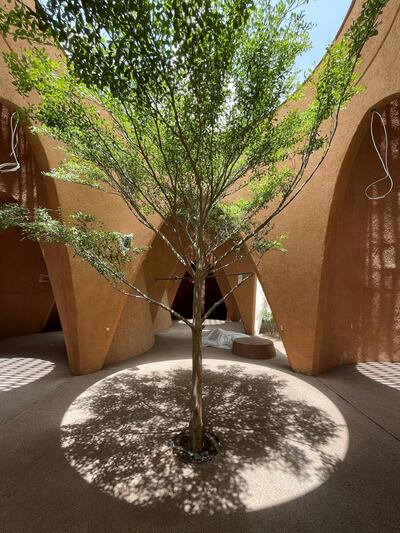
12 166
383 160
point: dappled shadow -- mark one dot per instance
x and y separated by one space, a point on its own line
385 373
17 372
116 435
26 359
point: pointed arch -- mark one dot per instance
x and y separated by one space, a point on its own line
359 310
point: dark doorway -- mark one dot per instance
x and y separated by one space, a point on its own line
183 301
184 297
212 295
53 322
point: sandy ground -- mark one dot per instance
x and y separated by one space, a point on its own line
90 453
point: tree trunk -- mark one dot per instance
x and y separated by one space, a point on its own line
196 419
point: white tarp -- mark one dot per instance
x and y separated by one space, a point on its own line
220 338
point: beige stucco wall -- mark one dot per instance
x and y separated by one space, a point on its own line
295 282
100 324
26 302
360 275
303 285
91 311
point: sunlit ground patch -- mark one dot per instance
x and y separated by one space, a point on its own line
281 437
384 373
16 372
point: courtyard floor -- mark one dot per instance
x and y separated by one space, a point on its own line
90 453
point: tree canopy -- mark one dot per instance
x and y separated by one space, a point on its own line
177 107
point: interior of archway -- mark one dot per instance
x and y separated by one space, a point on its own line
183 300
161 265
362 270
27 300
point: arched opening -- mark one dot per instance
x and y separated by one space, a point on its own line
212 295
28 304
53 320
362 269
161 269
27 300
183 301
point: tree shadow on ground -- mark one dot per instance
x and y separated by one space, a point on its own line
116 436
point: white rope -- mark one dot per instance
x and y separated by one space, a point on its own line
383 160
12 166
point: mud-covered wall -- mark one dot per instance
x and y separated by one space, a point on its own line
26 297
95 318
362 265
297 282
318 300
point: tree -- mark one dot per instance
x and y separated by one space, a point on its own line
177 107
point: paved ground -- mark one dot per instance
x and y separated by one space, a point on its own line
88 454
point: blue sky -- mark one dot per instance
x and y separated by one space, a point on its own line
327 15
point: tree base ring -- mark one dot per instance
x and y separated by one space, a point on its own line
181 450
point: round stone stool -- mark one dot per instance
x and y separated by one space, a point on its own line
254 348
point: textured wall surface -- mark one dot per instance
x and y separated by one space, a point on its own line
333 293
301 284
362 260
100 324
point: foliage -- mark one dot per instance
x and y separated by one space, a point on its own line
177 107
269 325
107 251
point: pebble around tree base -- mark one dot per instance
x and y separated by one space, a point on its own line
181 450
